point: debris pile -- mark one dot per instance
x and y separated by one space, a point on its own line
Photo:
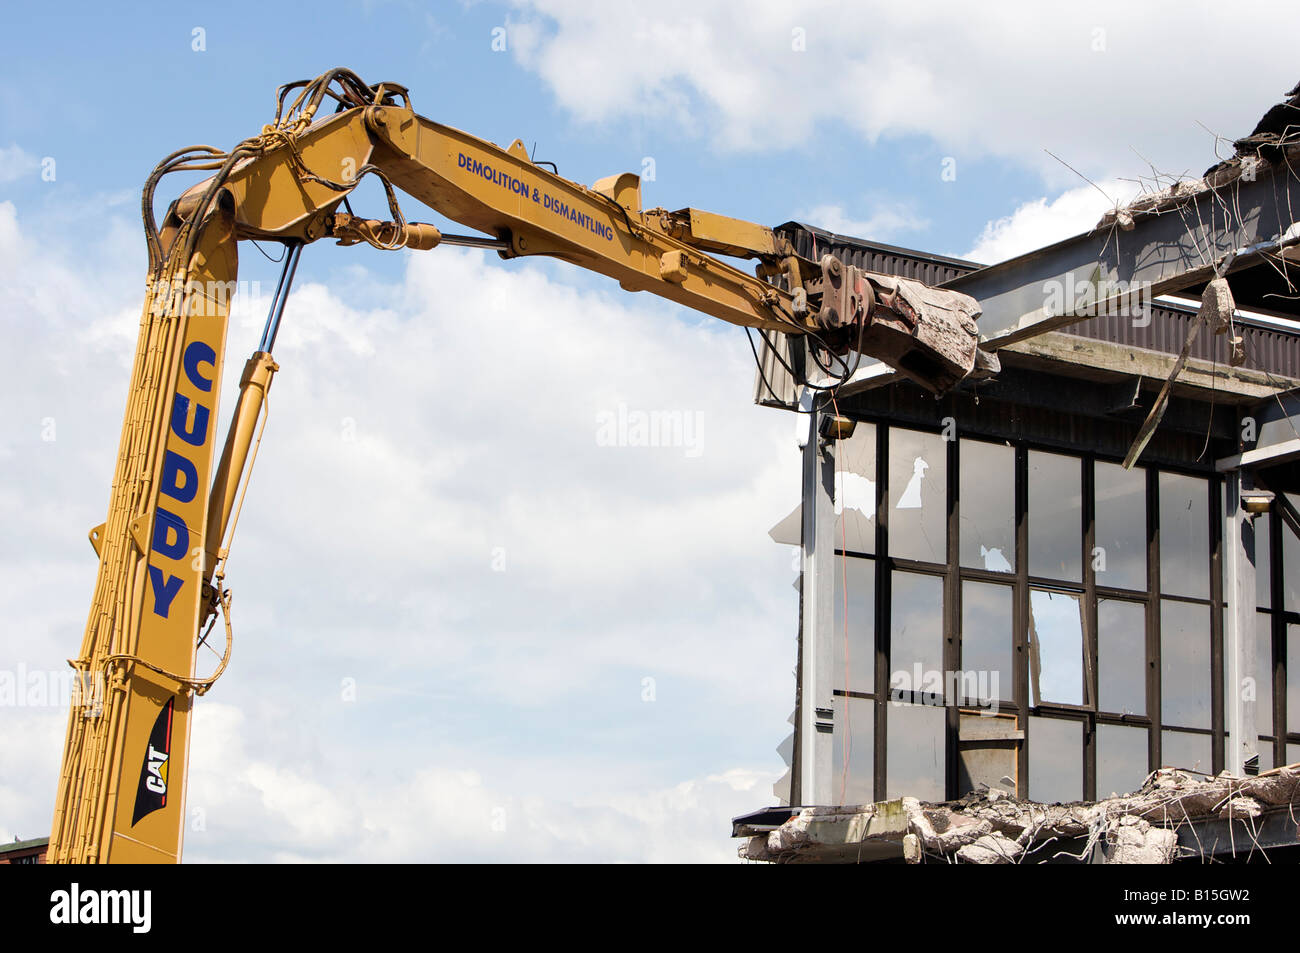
1275 141
1162 822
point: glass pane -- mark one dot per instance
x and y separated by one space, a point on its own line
1178 749
916 633
854 748
854 650
1290 565
988 506
1056 648
1055 516
855 491
1263 555
1184 536
1121 527
1263 672
1293 754
1121 657
918 495
915 763
1293 678
1185 664
1121 759
986 639
1055 760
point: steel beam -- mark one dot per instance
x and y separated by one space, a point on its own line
1233 226
1167 250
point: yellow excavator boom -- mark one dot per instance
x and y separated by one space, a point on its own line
162 548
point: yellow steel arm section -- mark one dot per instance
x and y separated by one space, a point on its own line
503 194
121 790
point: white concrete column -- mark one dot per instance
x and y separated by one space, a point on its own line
817 714
1241 686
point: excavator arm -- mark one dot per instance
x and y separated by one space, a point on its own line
160 588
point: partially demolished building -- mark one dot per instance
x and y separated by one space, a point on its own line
1007 638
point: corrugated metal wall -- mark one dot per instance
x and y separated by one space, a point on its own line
1271 349
812 243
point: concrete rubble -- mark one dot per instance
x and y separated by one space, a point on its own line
1162 822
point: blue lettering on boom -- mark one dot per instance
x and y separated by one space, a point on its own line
519 187
163 592
179 479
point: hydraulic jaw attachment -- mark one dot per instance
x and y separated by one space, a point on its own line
927 334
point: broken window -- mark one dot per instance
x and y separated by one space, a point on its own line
916 637
1184 664
988 747
986 637
1055 760
1119 557
918 496
1121 759
988 506
853 744
1055 516
1055 648
855 491
854 649
1183 749
915 752
1121 657
1184 536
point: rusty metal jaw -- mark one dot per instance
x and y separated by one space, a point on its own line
927 334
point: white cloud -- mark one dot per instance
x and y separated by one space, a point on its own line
244 807
416 428
1041 222
16 163
887 221
1005 80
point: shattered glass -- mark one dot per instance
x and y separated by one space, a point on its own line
855 491
988 506
1056 648
918 496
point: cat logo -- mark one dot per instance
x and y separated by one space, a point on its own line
156 780
152 793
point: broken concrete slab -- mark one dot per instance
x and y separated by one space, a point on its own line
1158 824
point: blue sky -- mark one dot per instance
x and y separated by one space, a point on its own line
107 93
437 411
137 84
